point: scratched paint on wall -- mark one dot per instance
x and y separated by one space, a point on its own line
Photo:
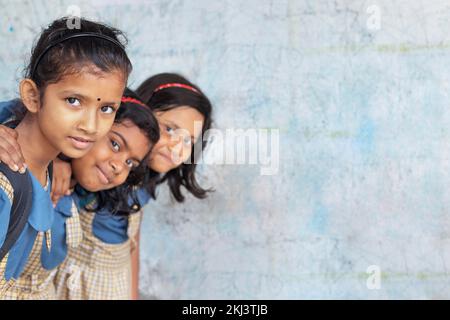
364 159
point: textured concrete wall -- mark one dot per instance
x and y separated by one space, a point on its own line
362 105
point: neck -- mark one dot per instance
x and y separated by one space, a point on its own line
36 149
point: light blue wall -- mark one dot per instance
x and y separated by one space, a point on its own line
364 129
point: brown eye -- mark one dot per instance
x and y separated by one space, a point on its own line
169 130
108 109
129 163
187 141
115 146
73 101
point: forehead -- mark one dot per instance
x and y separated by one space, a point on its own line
183 117
92 84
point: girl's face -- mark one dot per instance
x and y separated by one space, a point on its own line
80 109
177 137
110 160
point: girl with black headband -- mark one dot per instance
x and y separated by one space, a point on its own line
72 89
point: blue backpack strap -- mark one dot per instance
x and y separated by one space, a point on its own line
21 206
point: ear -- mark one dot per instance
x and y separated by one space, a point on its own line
29 93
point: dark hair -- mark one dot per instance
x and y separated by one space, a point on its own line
48 66
116 199
168 99
51 60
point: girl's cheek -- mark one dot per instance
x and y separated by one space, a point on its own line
120 179
163 141
105 124
106 152
101 152
186 154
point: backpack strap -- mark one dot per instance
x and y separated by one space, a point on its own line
21 206
50 173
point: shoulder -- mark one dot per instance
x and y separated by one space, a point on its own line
142 196
8 105
7 110
14 183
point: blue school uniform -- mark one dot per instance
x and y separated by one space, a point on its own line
25 270
40 220
28 270
107 227
7 110
143 197
66 232
111 228
99 268
63 211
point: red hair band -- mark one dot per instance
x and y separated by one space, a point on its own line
176 85
132 100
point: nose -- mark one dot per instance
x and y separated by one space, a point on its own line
164 139
117 165
176 146
88 123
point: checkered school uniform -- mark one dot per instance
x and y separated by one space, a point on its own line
4 284
96 270
35 282
6 186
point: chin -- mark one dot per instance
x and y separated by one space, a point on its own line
88 186
153 165
162 169
74 153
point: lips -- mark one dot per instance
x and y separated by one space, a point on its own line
103 176
81 143
167 157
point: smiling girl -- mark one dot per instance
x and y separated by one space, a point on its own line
119 153
99 268
68 100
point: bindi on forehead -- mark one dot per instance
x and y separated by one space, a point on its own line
99 99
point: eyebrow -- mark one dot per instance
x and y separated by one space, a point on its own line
121 138
126 144
83 97
75 94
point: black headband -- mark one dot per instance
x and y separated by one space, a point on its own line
72 36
